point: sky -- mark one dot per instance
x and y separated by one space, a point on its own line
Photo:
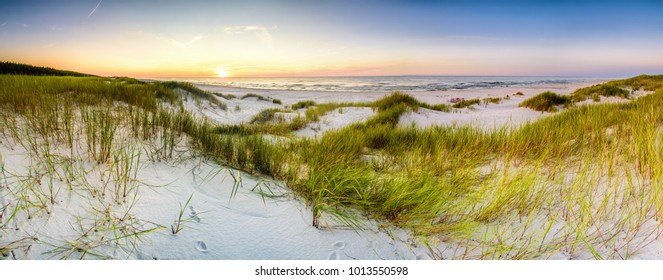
150 38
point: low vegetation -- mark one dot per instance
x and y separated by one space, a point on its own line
225 96
397 98
10 68
642 82
583 183
596 91
494 100
466 103
549 101
259 97
546 102
199 93
302 104
266 123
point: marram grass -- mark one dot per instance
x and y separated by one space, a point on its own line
583 183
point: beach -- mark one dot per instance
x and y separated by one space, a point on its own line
506 113
243 139
157 190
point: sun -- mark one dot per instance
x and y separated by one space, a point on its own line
221 72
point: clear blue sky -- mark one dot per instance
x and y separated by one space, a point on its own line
285 38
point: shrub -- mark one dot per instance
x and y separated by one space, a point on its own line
395 99
602 90
546 101
264 116
495 100
399 98
466 103
303 104
225 96
260 97
596 97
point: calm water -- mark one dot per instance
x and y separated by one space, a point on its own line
385 84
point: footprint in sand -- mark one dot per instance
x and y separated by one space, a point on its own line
201 246
338 250
334 256
193 214
340 245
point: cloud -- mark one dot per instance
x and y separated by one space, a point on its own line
194 39
261 32
178 43
95 8
56 28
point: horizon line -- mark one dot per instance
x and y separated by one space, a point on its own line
370 76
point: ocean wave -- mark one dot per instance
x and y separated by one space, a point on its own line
385 84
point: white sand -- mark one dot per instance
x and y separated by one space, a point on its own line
239 110
217 225
336 119
489 116
248 226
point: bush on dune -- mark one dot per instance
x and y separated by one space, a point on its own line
599 90
546 102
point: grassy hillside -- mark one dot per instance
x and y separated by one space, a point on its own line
549 101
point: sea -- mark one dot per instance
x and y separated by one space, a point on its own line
386 83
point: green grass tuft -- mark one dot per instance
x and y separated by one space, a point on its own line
546 101
466 103
259 97
596 91
195 91
302 104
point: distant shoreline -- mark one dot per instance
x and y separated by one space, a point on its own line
384 84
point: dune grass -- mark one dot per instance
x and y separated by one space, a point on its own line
197 92
11 68
494 100
455 181
599 90
302 104
583 183
259 97
466 103
397 98
265 122
642 82
547 102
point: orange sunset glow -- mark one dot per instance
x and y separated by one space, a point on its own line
237 39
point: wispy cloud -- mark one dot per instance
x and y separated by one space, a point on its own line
194 39
179 43
261 32
95 8
56 28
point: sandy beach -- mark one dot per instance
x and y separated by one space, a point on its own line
329 138
155 199
506 113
